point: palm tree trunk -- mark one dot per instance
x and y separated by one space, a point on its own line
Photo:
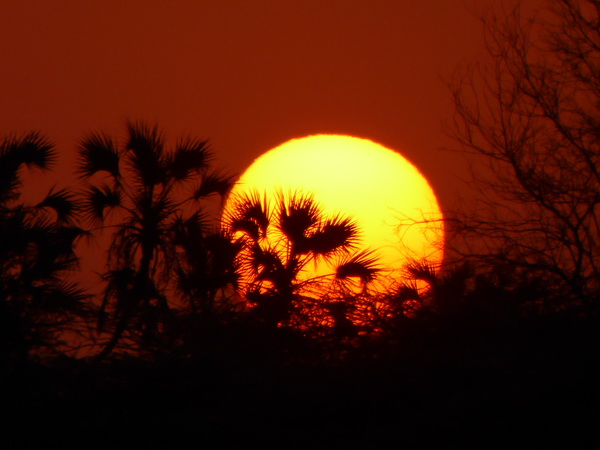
140 296
114 339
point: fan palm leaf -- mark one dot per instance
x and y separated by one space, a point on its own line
250 215
298 217
362 265
191 156
214 182
97 199
31 150
63 202
97 153
146 154
422 271
61 297
186 230
336 235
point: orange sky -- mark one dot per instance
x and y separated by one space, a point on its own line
248 75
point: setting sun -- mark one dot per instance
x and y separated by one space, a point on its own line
393 205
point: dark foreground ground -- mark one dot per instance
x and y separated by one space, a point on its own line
538 387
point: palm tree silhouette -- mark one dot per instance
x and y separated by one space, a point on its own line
36 251
155 194
425 291
278 245
207 273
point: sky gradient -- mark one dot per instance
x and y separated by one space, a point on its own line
248 75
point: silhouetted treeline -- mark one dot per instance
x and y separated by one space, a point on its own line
207 334
205 326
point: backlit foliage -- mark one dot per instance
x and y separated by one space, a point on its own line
279 242
529 113
151 196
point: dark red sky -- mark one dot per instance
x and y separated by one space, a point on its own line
248 75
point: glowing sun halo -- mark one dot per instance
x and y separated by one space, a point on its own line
384 193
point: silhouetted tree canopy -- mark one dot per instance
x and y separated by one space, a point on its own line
37 251
529 113
278 243
152 196
226 340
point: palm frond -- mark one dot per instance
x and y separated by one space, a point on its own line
146 157
44 252
50 254
363 265
407 292
153 211
191 156
32 150
422 271
98 152
249 214
46 268
211 264
9 183
97 199
189 229
298 216
66 236
213 183
61 297
14 222
63 202
263 264
223 250
336 235
247 227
